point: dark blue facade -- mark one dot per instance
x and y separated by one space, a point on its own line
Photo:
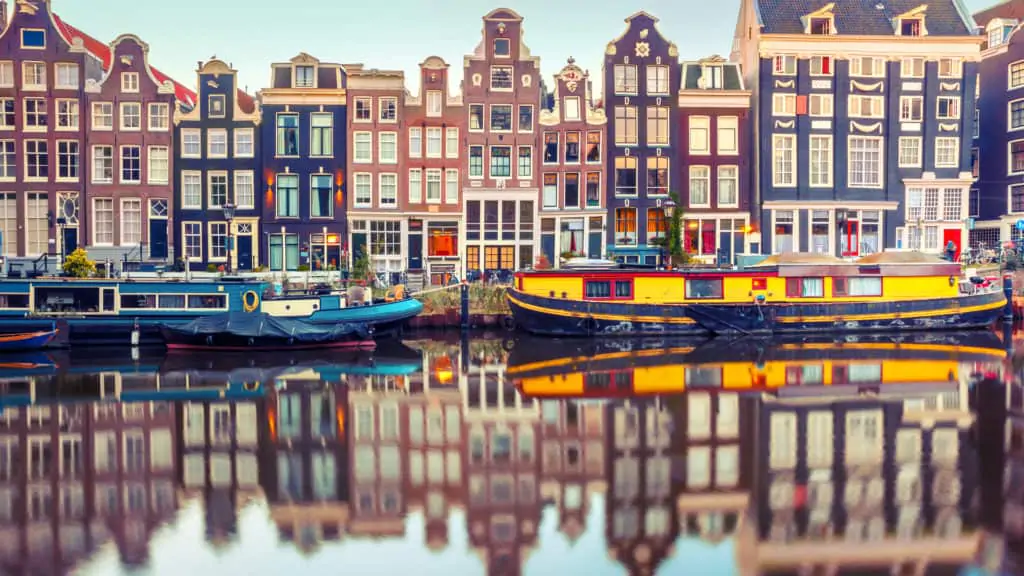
640 49
217 163
304 220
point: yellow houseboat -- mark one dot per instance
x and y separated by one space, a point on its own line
787 293
784 367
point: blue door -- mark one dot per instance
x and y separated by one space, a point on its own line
725 246
157 239
415 251
594 246
547 247
70 240
244 252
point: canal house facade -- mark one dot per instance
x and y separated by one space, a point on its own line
304 160
217 182
376 167
502 90
641 81
863 123
128 213
714 149
572 136
435 126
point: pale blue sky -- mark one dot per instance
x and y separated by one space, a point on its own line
388 34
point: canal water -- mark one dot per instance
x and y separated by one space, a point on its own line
502 456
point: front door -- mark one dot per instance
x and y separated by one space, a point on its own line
244 253
594 245
415 251
70 240
951 235
850 238
157 239
725 246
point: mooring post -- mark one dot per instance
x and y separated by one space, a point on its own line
464 291
1008 292
464 352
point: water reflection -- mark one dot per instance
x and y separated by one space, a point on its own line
498 457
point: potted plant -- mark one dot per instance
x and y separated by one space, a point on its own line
78 265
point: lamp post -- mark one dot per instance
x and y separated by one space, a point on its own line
669 208
229 215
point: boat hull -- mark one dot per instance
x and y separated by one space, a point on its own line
27 341
557 317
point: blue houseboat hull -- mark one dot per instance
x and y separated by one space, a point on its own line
558 317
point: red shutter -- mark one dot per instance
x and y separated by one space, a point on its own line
801 105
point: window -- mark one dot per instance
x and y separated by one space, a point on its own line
728 130
321 133
625 79
476 117
362 152
910 152
131 116
948 108
33 75
1016 119
947 152
656 227
550 191
434 103
388 143
501 77
388 190
700 135
433 186
37 159
657 175
857 286
287 135
551 147
102 116
7 160
191 144
820 151
7 119
783 236
218 240
321 192
451 186
35 114
244 143
415 185
363 196
572 190
304 77
594 190
157 165
571 108
867 66
501 162
415 142
572 147
158 117
191 188
805 287
912 68
287 196
388 109
625 126
218 189
784 104
364 109
501 117
192 232
526 118
217 143
865 161
216 106
593 147
32 38
950 68
67 75
625 226
130 82
703 288
784 65
102 164
433 142
784 160
625 176
6 74
911 27
131 221
385 240
1016 72
728 186
866 106
657 126
476 161
526 161
502 47
451 143
103 221
821 66
245 189
657 79
700 186
37 223
911 108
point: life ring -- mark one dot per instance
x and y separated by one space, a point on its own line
251 386
250 301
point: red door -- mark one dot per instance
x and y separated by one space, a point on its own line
851 239
953 235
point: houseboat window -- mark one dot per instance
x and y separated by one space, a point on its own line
623 289
599 289
207 301
172 301
13 300
865 373
597 380
136 301
805 287
699 288
857 286
698 376
812 374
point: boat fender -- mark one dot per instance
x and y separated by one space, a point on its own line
590 324
209 340
291 341
509 322
508 345
952 280
251 341
250 301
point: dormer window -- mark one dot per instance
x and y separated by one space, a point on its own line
999 31
911 27
822 26
995 36
502 47
304 77
711 77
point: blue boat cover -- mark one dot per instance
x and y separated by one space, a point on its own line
261 325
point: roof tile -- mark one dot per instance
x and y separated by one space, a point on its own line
863 17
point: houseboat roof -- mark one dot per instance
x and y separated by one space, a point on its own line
907 257
798 259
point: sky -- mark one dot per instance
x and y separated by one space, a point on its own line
389 34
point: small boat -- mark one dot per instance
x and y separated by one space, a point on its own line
784 294
23 341
259 332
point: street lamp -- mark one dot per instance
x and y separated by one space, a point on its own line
669 208
229 215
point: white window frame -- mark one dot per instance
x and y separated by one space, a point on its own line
356 136
367 179
699 124
451 142
877 103
252 142
820 105
899 154
728 123
434 103
881 161
955 140
415 193
912 67
784 104
699 173
150 172
790 182
907 105
826 180
123 221
121 116
953 107
1009 75
392 159
784 65
415 142
191 132
219 132
130 82
158 110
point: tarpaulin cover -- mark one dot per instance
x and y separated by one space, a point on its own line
260 325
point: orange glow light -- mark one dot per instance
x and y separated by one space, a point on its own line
341 422
272 424
268 175
339 178
332 238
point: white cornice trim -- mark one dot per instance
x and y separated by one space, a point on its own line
712 99
932 47
300 97
803 205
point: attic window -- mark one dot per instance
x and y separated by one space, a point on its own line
304 77
711 77
822 26
911 27
502 47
